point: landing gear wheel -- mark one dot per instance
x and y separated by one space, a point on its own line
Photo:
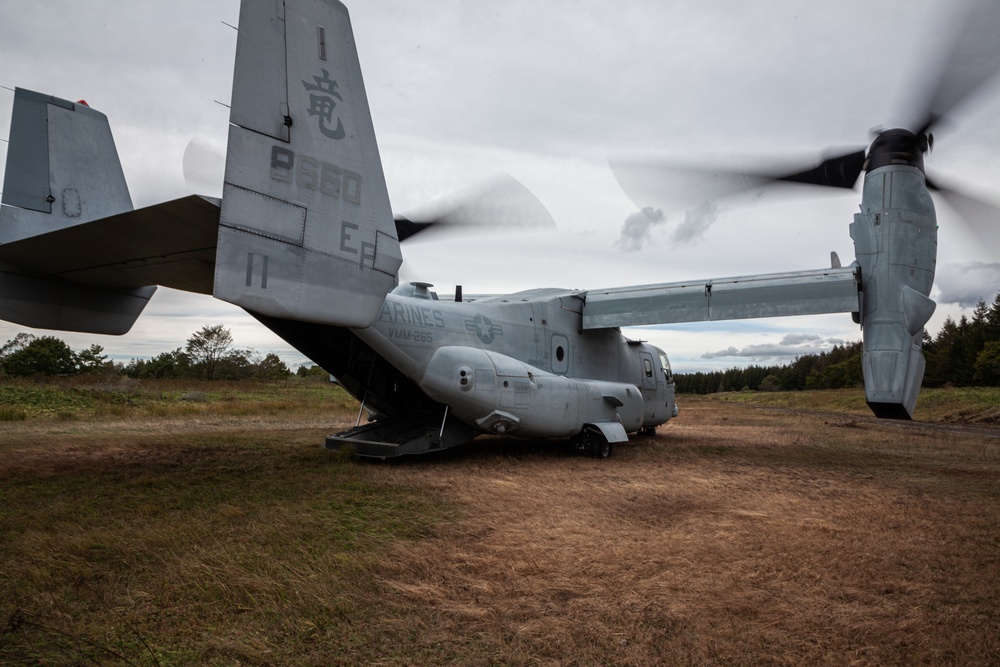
594 443
600 448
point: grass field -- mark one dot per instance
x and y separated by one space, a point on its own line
174 524
954 405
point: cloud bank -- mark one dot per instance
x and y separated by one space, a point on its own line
789 347
635 234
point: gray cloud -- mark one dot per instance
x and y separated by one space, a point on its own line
635 230
799 339
453 103
728 352
966 284
696 222
790 346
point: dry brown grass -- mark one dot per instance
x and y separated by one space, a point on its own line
735 536
735 539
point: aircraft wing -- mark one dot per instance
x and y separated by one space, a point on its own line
768 295
170 244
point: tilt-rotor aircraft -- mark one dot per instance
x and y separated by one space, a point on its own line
304 240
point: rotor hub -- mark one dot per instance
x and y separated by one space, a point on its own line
898 146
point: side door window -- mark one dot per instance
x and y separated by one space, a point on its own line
648 379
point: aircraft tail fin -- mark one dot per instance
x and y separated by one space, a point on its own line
62 168
306 230
62 171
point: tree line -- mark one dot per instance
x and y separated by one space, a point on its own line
964 353
209 354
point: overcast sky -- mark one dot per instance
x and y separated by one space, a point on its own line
547 92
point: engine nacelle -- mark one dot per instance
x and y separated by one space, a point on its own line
895 240
504 396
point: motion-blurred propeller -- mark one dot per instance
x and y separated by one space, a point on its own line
669 185
204 166
500 205
982 217
969 59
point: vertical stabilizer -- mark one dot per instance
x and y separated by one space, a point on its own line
306 229
62 168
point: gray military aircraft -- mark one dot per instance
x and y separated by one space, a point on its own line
304 240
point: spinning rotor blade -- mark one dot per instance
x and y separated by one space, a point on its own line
406 228
841 171
668 185
204 166
970 59
982 217
499 205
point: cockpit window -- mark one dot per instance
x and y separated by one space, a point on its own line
665 363
648 367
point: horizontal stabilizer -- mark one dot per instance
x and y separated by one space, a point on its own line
170 244
43 303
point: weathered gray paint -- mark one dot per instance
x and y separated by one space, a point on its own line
770 295
28 185
170 244
42 302
260 81
304 189
895 238
64 168
496 340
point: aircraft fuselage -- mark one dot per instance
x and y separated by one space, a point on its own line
558 377
520 364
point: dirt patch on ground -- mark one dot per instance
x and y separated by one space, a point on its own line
688 548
